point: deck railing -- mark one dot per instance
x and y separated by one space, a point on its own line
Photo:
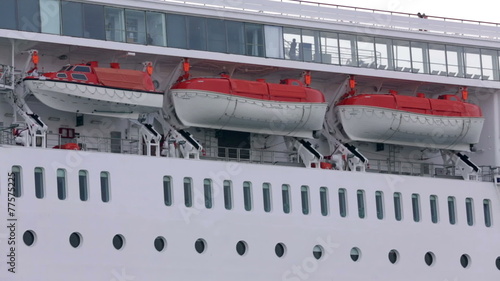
6 77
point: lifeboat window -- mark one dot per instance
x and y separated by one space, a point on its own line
361 203
285 194
61 184
266 193
188 192
15 181
78 76
62 75
452 210
81 68
323 200
487 212
228 195
83 185
379 202
415 203
434 208
469 208
39 192
398 214
304 196
247 195
207 191
167 190
105 186
342 202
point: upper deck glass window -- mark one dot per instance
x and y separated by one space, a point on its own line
156 29
115 24
176 31
28 15
8 14
197 35
93 21
72 20
50 15
135 26
254 39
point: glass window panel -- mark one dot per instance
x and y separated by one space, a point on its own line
167 191
366 52
235 37
419 57
415 203
207 191
434 208
105 186
93 19
398 209
452 210
197 36
216 37
28 15
488 64
402 56
472 63
323 200
437 59
254 39
455 60
360 195
342 202
487 212
247 195
188 192
176 31
383 51
285 194
291 38
50 15
469 208
72 19
8 14
115 24
228 195
348 53
61 184
39 183
309 49
156 34
379 203
16 175
266 193
304 196
330 48
274 41
135 26
83 185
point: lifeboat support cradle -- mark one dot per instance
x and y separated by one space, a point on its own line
468 170
346 155
150 136
309 155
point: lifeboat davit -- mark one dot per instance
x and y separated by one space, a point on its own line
447 122
289 108
87 88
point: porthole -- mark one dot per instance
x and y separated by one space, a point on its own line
355 254
29 237
160 243
429 258
465 261
75 239
393 256
200 246
241 248
280 250
118 241
497 263
318 252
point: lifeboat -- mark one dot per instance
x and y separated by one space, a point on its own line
87 88
447 122
289 108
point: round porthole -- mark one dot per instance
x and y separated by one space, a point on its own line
160 243
118 241
355 254
280 250
29 237
200 245
497 263
465 261
241 248
429 258
318 252
393 256
75 239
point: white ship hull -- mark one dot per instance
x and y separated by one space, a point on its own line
222 111
382 125
88 99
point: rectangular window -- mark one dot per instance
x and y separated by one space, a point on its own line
156 29
105 186
16 175
266 193
197 35
207 191
83 185
434 208
398 210
50 15
304 196
452 210
8 14
28 15
379 203
361 203
487 212
402 55
342 202
330 48
228 195
415 203
274 41
176 31
188 192
93 22
216 36
135 26
323 200
437 59
39 188
419 57
348 50
72 19
61 184
247 195
254 39
285 194
455 61
167 190
366 51
384 54
235 37
469 208
472 63
115 24
309 49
